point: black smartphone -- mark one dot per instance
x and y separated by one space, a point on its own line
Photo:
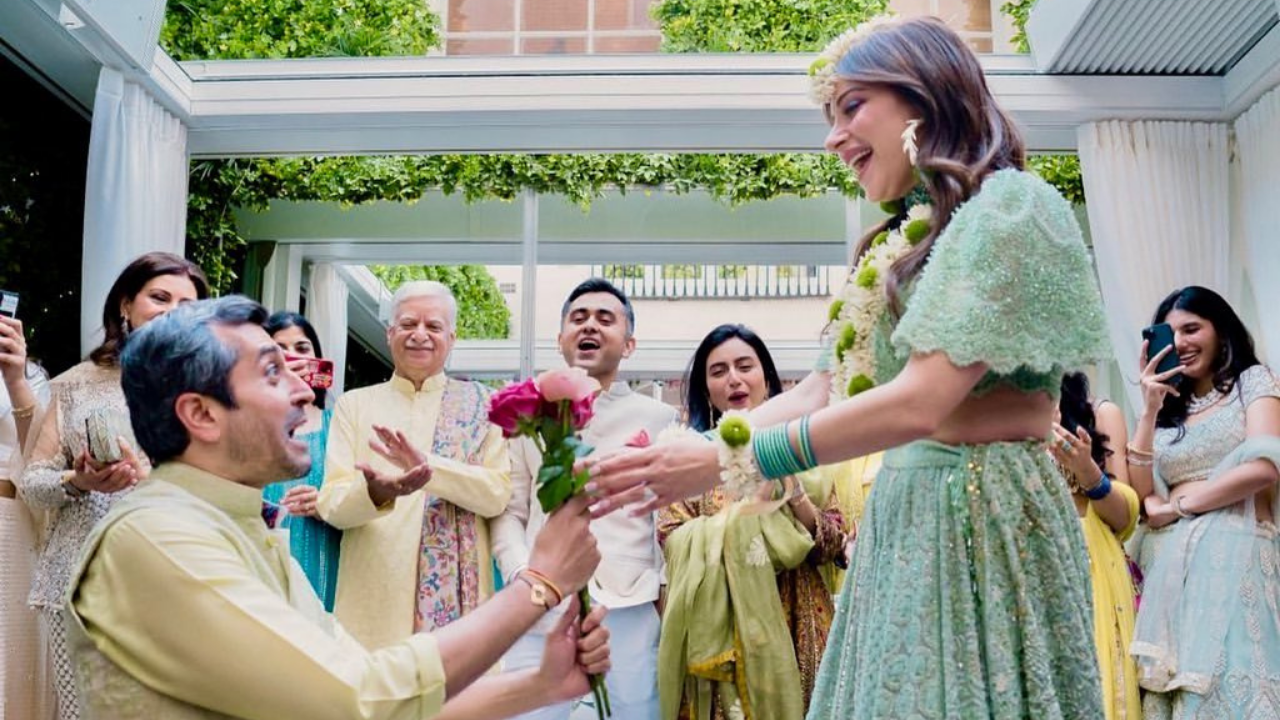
1159 337
8 303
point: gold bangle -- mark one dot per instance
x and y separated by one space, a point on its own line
555 589
23 413
1140 453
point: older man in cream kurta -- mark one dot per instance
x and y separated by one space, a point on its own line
413 470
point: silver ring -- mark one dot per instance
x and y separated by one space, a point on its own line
1065 445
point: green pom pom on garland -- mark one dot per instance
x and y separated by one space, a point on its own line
858 384
848 336
866 277
735 431
833 312
915 231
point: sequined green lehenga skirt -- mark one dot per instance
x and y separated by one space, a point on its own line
968 597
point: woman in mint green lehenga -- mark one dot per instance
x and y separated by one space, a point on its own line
1204 456
968 594
314 543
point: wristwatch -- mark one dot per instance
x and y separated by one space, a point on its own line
69 488
539 594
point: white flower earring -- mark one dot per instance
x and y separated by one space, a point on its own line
909 145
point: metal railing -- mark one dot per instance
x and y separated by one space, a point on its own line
709 282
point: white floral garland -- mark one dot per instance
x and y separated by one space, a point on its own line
863 301
822 72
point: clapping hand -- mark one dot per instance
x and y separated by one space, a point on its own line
397 450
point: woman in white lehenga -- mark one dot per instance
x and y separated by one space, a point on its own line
1204 455
24 392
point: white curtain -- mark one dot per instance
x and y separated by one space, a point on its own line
1158 197
327 311
135 191
1258 156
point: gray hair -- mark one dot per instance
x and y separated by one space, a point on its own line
425 288
178 353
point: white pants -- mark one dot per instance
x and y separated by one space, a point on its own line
633 681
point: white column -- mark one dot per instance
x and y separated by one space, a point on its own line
327 311
135 191
282 279
1257 239
529 284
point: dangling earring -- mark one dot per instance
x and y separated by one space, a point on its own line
711 413
909 144
124 324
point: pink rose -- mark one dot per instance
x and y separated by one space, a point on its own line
567 384
513 403
581 411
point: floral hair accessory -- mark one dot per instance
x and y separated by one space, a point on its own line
909 145
822 71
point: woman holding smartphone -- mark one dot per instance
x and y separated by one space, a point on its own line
63 477
24 392
1204 458
314 543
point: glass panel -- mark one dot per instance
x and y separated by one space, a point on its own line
553 14
225 29
481 15
624 15
553 45
623 45
479 46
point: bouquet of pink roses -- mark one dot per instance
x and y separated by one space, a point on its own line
551 410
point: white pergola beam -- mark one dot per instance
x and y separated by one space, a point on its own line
709 103
642 251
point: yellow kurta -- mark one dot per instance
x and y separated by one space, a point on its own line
378 567
1113 608
186 606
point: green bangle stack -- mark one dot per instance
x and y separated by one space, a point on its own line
775 456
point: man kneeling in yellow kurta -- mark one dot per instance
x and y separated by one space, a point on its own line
186 604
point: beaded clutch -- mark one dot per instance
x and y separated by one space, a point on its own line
103 428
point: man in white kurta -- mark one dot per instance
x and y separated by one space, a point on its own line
596 334
413 470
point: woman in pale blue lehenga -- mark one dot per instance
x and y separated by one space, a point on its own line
969 594
1207 639
314 543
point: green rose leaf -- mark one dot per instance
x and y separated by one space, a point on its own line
552 495
550 473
